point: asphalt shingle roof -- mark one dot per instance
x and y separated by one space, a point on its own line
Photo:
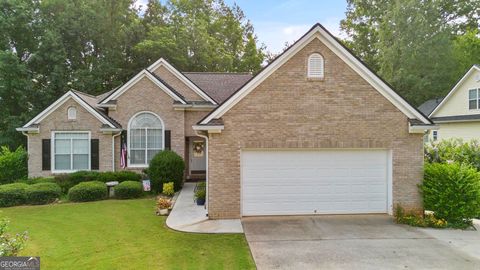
428 106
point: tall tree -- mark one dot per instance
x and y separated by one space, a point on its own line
467 50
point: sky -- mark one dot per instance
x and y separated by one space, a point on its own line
279 21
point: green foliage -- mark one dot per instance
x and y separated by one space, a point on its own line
13 164
418 221
454 150
13 194
452 192
410 43
88 191
42 193
11 245
200 194
166 166
467 50
168 189
129 190
66 181
36 180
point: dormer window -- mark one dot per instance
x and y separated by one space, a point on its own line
72 113
473 99
315 66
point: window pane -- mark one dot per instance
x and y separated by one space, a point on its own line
137 138
80 147
151 154
62 162
137 157
472 104
472 94
80 162
146 120
62 146
154 138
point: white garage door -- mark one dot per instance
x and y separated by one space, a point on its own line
314 182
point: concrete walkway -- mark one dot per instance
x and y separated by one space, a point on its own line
187 216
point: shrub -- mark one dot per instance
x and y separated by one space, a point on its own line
128 190
66 181
168 189
12 194
120 176
43 193
201 194
166 166
454 150
452 192
13 165
88 191
418 221
11 245
36 180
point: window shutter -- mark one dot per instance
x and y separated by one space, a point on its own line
94 155
167 140
315 66
46 152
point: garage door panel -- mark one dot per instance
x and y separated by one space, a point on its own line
314 182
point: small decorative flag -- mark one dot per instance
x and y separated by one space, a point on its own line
146 185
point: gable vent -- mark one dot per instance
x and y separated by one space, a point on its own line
315 66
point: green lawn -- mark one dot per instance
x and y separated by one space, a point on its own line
117 234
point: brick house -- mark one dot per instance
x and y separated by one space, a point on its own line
314 132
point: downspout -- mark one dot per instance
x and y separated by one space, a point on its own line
113 150
207 171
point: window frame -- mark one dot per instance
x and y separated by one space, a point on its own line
129 164
52 151
309 75
477 98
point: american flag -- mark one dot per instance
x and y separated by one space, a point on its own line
123 156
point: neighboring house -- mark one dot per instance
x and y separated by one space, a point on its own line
458 114
314 132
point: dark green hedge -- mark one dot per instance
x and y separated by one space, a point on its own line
66 181
13 194
129 190
88 191
43 193
13 165
166 166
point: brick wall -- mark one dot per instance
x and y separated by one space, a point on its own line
289 111
58 121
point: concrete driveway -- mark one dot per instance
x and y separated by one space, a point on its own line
352 242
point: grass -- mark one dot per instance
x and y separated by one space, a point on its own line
117 234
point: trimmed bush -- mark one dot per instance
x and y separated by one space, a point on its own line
13 165
88 191
66 181
43 193
166 166
13 194
120 176
452 192
454 150
128 190
36 180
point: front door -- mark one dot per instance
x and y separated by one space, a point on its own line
198 160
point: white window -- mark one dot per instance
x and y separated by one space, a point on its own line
315 66
72 113
145 138
71 151
474 99
435 135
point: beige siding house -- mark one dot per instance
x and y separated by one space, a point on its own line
314 132
458 114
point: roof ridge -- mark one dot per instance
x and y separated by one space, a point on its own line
214 72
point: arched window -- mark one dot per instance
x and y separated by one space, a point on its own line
72 113
315 66
145 138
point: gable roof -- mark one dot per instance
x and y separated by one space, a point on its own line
218 85
428 106
319 32
456 87
162 62
155 79
79 98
